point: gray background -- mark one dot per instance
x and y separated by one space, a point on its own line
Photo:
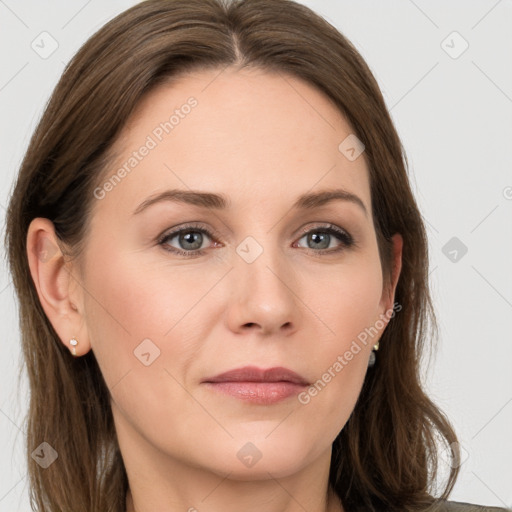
453 112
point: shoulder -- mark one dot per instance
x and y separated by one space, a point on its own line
459 506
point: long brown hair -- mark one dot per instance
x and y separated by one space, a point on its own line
386 456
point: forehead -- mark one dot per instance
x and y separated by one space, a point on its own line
253 135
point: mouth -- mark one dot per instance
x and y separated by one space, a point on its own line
257 385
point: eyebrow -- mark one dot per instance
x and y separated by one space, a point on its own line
221 202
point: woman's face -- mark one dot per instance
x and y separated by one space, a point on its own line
255 289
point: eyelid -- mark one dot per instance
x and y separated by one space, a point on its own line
198 226
340 232
322 225
212 231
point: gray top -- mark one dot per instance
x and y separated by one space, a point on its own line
458 506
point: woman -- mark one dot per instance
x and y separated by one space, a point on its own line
273 364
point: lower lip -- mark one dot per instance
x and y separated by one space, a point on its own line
264 393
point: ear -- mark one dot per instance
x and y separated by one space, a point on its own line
388 292
59 289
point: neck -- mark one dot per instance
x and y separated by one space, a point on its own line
333 504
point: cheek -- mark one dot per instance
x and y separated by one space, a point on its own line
139 298
348 312
132 310
139 329
348 302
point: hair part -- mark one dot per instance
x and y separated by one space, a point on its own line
385 457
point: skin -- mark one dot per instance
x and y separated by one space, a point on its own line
261 139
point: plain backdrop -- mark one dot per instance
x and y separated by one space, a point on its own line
445 70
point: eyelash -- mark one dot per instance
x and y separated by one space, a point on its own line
345 238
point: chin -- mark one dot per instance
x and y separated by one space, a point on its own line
264 456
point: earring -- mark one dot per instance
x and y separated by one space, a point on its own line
73 342
373 357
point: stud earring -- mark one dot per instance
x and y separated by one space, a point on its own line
73 342
373 357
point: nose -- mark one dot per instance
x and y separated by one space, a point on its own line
266 295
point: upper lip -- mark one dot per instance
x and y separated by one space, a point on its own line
255 374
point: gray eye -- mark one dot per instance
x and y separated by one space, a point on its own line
317 240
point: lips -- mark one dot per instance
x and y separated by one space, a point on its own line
254 374
257 386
